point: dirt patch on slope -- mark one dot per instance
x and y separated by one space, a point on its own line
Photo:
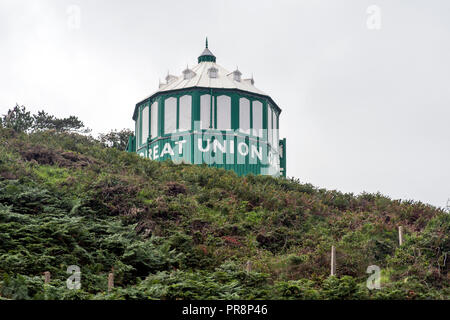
45 156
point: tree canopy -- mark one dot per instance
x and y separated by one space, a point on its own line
21 120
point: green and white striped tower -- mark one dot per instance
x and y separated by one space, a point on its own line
210 115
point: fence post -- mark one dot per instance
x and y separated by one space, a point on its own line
400 235
333 260
248 267
110 281
47 277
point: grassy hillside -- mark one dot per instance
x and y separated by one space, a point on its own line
186 232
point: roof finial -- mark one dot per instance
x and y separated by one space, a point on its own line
206 55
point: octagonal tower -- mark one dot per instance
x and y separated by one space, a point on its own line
213 116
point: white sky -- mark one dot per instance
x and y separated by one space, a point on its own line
363 110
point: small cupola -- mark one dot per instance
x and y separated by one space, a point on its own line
213 72
237 75
188 74
206 56
250 81
170 78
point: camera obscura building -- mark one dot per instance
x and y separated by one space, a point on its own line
208 115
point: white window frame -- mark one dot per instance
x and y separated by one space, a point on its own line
170 115
223 113
154 120
205 111
257 131
269 125
244 115
185 113
145 124
138 128
275 131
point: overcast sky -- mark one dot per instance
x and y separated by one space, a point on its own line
364 90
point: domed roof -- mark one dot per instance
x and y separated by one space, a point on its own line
208 74
202 77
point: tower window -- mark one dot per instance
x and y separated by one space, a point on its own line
185 113
269 125
145 124
154 119
170 115
275 131
223 113
205 111
244 115
257 118
138 129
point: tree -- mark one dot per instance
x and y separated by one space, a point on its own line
70 124
18 119
44 121
21 120
116 139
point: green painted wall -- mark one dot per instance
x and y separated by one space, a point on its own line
261 157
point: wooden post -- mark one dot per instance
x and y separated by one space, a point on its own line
400 235
333 260
248 267
47 277
110 281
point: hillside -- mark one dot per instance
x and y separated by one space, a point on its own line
186 232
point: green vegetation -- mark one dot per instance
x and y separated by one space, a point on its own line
21 120
186 232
